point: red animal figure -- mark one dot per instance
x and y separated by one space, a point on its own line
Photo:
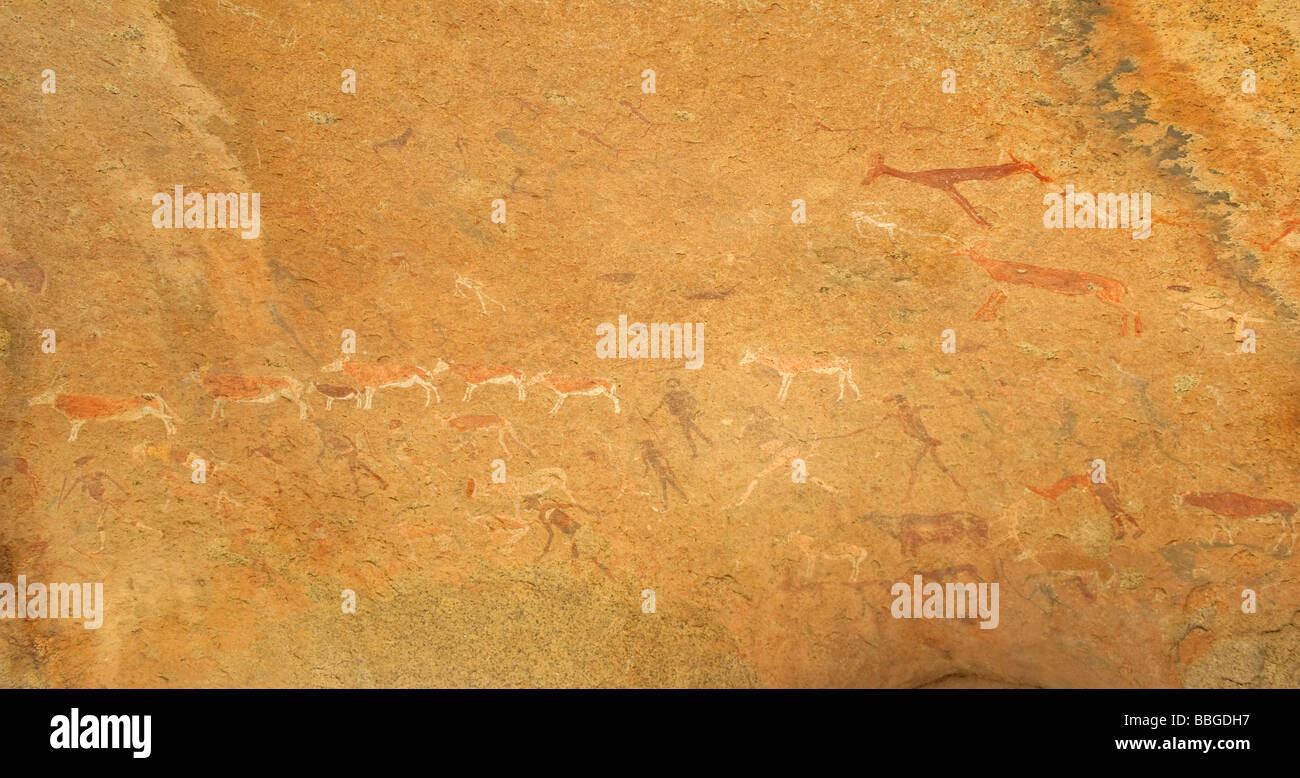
789 368
915 530
565 387
469 423
475 376
331 393
944 179
229 387
374 376
1105 493
1230 505
1059 281
81 408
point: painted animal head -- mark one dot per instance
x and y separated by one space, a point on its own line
749 358
333 367
44 399
440 367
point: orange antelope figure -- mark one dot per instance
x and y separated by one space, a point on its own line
478 375
374 376
944 179
565 387
1060 281
789 368
248 389
470 423
81 408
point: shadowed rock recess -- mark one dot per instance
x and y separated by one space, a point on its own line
397 428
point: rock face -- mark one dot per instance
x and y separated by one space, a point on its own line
374 439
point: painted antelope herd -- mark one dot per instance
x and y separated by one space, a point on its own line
545 491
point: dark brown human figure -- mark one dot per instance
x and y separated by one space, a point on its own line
654 459
682 404
944 179
345 448
551 514
1105 493
915 428
93 486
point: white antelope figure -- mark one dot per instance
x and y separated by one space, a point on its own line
248 389
477 288
372 376
81 408
812 549
789 368
565 387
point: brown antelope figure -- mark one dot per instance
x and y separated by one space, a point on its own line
1060 281
565 387
789 368
374 376
81 408
230 387
331 393
471 422
944 179
478 375
1232 506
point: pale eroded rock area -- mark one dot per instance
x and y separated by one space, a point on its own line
669 207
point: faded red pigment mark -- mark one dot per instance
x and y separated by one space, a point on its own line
944 179
637 113
1289 227
588 134
821 126
1104 493
394 143
918 128
26 273
1056 280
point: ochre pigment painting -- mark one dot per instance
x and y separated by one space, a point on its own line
622 344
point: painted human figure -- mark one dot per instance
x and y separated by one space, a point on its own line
682 404
652 458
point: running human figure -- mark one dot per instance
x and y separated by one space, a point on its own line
682 404
915 428
652 457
